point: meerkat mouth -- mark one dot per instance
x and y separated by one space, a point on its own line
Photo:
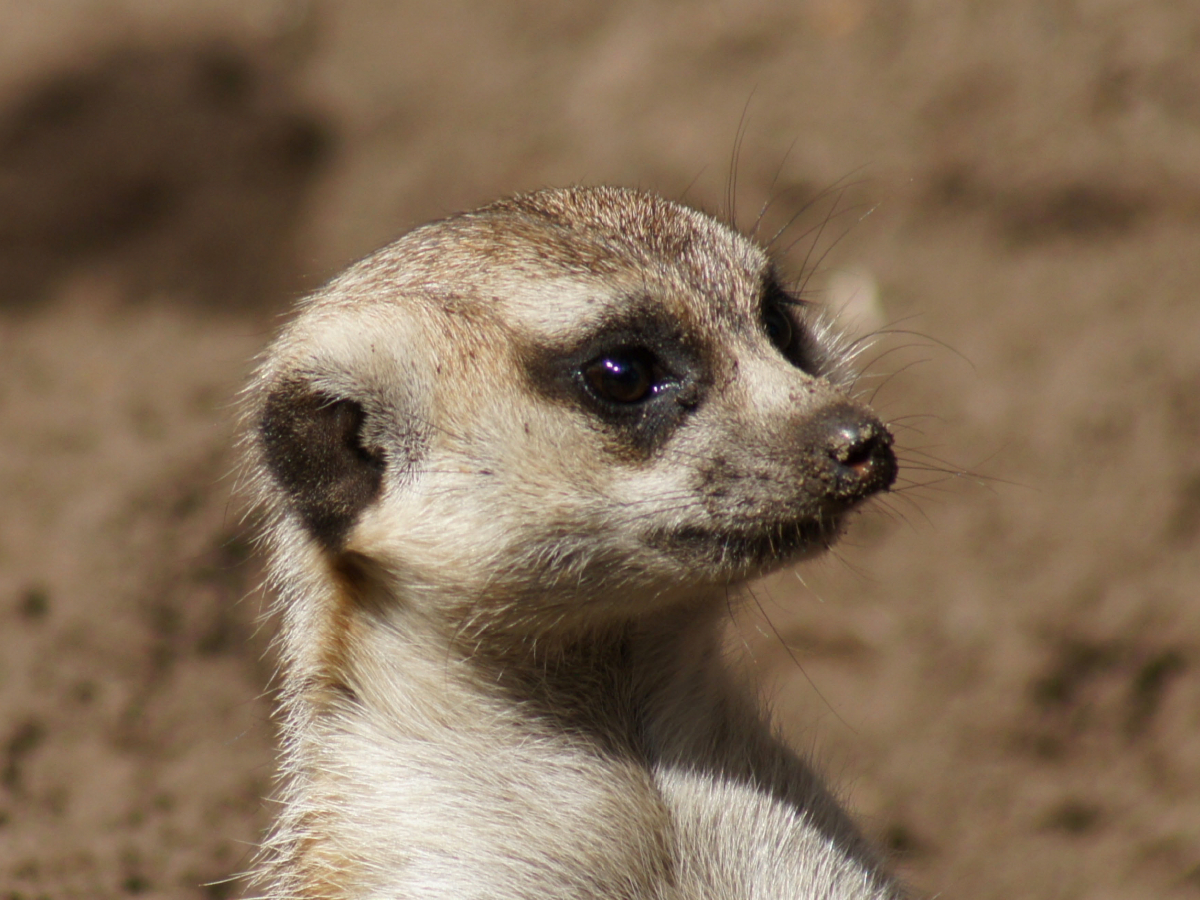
761 547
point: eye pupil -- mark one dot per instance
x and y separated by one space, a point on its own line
620 378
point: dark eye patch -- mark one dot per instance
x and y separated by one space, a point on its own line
784 330
778 326
637 374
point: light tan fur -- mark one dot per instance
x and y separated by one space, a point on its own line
502 592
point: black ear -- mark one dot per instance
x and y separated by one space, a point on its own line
314 450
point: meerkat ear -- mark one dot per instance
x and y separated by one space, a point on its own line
314 449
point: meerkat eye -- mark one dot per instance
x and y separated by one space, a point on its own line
625 376
778 327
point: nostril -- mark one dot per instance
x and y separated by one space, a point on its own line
856 446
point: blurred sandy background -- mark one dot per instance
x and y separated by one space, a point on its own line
1000 672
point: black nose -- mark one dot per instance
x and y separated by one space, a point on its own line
859 452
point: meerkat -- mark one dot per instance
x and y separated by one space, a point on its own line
515 467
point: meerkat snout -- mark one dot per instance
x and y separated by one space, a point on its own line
515 466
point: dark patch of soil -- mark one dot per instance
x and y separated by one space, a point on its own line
185 166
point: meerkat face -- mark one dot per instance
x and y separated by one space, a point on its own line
573 403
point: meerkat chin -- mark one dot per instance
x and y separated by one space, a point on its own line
513 466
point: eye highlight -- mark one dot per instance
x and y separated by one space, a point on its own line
623 376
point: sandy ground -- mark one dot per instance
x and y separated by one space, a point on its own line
999 669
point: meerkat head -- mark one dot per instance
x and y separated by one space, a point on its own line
568 407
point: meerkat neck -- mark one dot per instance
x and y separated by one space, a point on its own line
562 740
625 731
384 643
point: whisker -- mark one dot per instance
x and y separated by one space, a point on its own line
795 660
